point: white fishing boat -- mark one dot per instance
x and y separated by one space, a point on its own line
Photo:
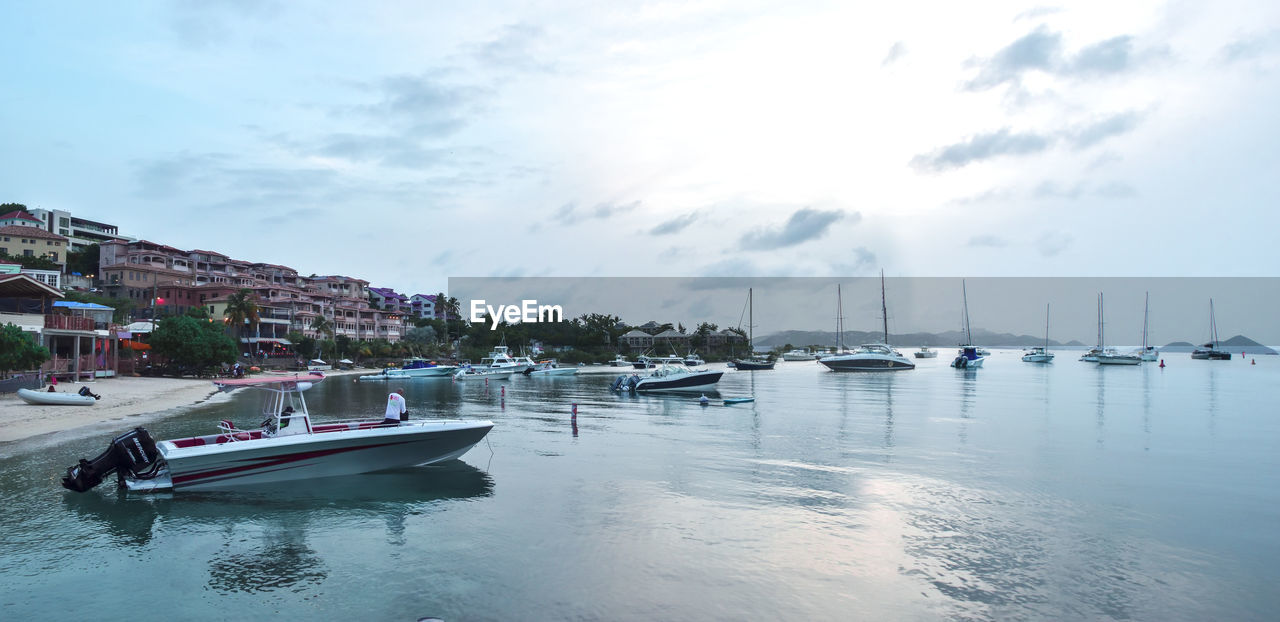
797 355
925 353
969 356
416 366
620 361
693 360
288 445
500 359
1041 354
45 398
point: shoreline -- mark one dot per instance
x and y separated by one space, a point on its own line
123 397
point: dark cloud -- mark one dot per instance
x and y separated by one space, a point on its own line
805 224
426 105
987 241
1252 47
982 147
396 151
896 52
1052 243
675 225
863 258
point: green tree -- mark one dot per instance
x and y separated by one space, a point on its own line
192 343
19 350
84 261
302 344
241 308
31 263
323 328
123 306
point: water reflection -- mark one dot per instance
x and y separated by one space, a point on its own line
133 517
968 389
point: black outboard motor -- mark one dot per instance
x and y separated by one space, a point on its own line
85 392
133 452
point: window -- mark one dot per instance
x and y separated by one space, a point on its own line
28 252
4 251
64 232
64 222
53 256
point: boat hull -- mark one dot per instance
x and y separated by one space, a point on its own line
871 362
557 371
961 362
45 398
925 355
1119 359
1211 355
680 382
325 454
752 366
1037 358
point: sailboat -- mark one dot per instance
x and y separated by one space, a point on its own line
1109 356
1092 355
1210 351
872 356
753 362
968 357
1148 352
1041 354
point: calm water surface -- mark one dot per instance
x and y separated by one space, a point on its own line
1018 491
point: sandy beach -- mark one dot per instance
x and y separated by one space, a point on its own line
121 397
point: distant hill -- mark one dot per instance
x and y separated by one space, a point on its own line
1239 343
803 338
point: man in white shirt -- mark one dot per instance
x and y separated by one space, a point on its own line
397 409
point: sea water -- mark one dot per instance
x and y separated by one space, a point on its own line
1017 491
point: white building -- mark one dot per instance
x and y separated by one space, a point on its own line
79 231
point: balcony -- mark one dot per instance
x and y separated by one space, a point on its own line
68 322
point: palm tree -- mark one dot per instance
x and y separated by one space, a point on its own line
323 327
241 308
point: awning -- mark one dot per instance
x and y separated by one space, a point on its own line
284 342
71 304
139 327
346 361
129 344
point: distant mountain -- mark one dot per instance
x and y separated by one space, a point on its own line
803 338
1239 343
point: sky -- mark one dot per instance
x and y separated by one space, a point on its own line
409 142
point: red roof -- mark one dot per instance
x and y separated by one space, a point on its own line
30 232
21 215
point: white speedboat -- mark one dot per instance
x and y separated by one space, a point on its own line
416 367
477 373
501 359
669 378
288 446
650 362
925 353
797 355
1092 355
550 368
693 360
869 357
45 398
620 361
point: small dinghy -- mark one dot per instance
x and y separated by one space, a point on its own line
738 400
44 398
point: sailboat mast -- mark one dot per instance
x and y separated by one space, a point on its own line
839 320
884 310
1146 310
1102 335
751 339
1046 326
1213 326
968 334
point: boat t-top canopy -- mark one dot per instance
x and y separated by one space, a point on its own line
294 382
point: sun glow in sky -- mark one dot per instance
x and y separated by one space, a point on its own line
406 143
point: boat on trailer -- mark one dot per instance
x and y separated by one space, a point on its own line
288 445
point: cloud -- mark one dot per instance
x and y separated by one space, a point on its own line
1115 190
988 241
896 52
1252 47
1037 13
1098 131
805 224
982 147
1037 50
1051 243
1042 50
1114 55
515 48
1054 190
570 214
675 225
